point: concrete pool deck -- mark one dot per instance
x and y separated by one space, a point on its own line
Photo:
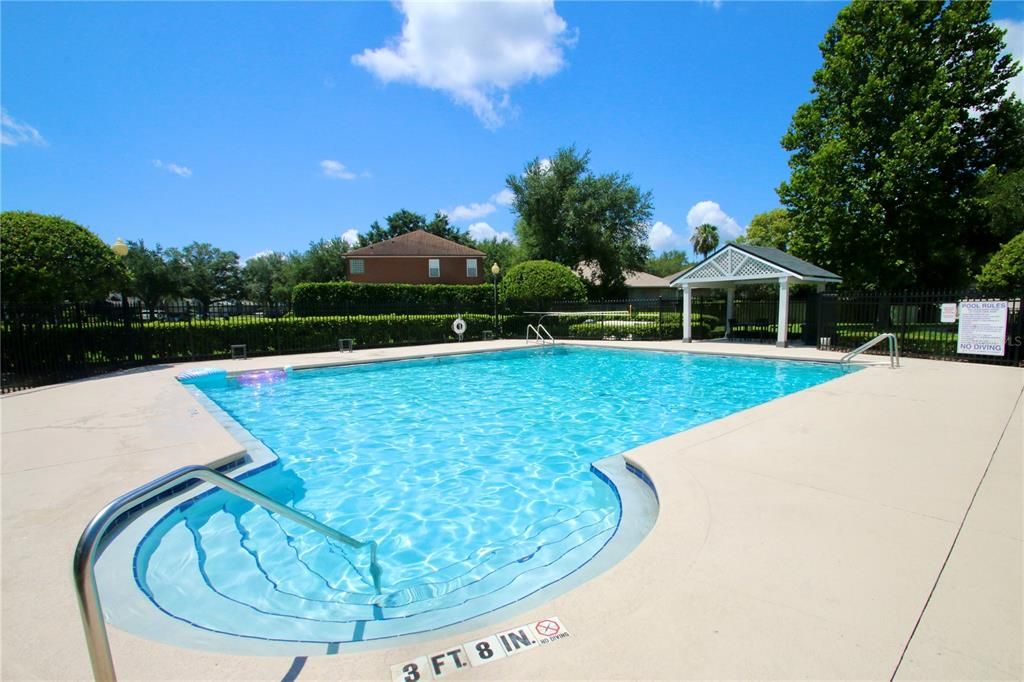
869 527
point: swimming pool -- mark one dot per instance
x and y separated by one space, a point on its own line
474 474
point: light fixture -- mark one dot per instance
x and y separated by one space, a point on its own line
119 248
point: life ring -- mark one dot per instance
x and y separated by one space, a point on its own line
459 326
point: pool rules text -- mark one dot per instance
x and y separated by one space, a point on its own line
480 651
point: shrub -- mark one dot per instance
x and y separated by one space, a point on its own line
536 282
47 259
322 298
1005 270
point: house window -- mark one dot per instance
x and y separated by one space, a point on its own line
471 267
434 267
356 266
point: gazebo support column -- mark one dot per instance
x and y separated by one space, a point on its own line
783 329
687 300
730 300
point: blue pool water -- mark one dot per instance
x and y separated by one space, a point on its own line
473 473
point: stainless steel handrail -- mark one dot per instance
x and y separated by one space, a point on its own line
85 553
537 330
894 350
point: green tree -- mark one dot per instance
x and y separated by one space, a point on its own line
908 108
507 254
668 263
536 282
267 278
151 277
569 215
47 259
771 228
209 275
704 239
323 261
1002 199
1005 270
405 221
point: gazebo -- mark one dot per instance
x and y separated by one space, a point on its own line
743 264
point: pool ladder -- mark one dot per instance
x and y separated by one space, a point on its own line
894 350
86 553
537 333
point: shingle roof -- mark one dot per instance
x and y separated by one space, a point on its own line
418 243
645 280
785 260
590 271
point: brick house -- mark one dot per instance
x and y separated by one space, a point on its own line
416 258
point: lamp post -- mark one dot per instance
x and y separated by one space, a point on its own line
495 271
120 250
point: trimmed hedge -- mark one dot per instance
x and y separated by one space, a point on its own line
326 298
170 341
643 328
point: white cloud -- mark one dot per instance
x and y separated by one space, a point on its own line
1014 40
181 171
482 231
351 236
543 165
710 212
258 254
336 169
14 132
504 198
474 51
664 238
460 213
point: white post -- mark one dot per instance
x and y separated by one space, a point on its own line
730 298
687 299
783 312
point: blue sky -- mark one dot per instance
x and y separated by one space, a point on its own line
263 126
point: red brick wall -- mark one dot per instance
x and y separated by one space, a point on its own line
415 270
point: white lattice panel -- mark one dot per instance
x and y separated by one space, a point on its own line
754 268
732 264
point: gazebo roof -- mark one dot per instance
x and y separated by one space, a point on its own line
742 263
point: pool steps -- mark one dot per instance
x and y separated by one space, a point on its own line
213 593
192 602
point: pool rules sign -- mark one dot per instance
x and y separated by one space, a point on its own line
504 644
982 329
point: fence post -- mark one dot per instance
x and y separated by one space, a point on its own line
191 341
905 307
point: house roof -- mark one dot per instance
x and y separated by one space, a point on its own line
591 272
745 263
645 280
418 243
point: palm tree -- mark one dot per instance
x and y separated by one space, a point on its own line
704 239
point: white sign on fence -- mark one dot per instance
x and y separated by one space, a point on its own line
948 313
982 329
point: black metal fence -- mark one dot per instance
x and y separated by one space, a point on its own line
846 320
48 344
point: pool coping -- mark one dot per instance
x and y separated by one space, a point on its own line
739 549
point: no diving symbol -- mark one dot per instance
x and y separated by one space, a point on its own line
547 628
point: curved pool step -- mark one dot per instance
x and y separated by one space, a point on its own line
239 574
226 587
553 542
